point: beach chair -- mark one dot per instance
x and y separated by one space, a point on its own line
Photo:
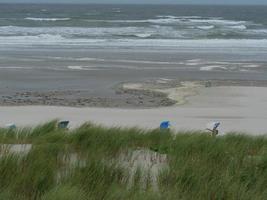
165 125
213 128
208 84
11 126
63 124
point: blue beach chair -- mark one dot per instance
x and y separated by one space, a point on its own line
165 125
63 124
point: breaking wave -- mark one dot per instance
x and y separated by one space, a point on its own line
47 19
194 31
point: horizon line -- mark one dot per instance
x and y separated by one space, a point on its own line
80 3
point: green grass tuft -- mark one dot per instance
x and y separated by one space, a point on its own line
85 163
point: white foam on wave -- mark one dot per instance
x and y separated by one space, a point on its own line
251 66
76 67
125 61
49 37
218 21
168 19
143 35
193 62
241 27
193 31
212 67
203 43
244 70
189 44
88 59
167 16
259 31
111 67
206 27
116 10
142 32
47 19
12 67
153 21
31 40
179 17
206 21
86 68
158 19
164 21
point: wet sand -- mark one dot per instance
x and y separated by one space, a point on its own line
157 92
238 108
90 77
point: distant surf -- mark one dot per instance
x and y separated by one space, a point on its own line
46 19
219 33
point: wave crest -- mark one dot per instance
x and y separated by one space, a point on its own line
47 19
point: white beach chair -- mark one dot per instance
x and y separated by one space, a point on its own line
213 128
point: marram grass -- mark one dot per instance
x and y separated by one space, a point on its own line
87 163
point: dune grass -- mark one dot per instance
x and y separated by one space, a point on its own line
83 164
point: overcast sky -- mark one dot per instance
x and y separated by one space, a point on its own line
143 1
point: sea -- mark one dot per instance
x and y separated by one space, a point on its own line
132 41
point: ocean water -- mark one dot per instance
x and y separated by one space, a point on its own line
94 23
100 37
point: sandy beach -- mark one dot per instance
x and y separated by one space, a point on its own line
238 108
135 99
123 69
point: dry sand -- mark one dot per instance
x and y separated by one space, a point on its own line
176 91
237 108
